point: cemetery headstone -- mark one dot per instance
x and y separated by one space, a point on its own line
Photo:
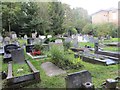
30 41
96 47
91 39
37 41
25 37
29 48
34 35
14 36
49 36
75 43
6 40
58 41
18 56
79 79
1 38
68 39
8 48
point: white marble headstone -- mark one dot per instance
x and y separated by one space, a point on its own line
42 37
34 35
58 41
14 36
25 37
49 36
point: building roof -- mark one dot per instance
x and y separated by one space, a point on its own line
107 10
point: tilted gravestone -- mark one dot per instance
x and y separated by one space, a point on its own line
18 56
79 80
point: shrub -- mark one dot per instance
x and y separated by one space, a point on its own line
63 60
67 45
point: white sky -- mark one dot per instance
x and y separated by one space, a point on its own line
92 6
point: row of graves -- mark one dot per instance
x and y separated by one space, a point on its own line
14 56
81 80
99 56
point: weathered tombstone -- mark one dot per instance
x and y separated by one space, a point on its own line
1 38
33 35
37 41
79 80
6 40
86 38
96 47
30 41
91 39
29 48
18 56
42 37
25 37
75 43
58 41
14 36
68 39
8 48
110 84
80 39
49 36
7 52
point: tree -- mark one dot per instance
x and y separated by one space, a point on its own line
56 13
20 17
87 28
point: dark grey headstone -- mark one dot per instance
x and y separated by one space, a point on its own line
96 47
76 80
18 56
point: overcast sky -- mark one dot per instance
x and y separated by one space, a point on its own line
92 6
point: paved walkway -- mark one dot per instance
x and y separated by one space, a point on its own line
51 69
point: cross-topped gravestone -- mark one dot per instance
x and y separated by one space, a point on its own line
18 56
78 79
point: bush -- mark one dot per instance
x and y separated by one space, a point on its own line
63 60
52 39
67 45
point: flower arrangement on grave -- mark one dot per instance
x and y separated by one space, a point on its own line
37 49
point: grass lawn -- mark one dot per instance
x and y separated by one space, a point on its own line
99 75
111 48
112 40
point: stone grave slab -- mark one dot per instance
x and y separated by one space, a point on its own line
51 69
77 79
